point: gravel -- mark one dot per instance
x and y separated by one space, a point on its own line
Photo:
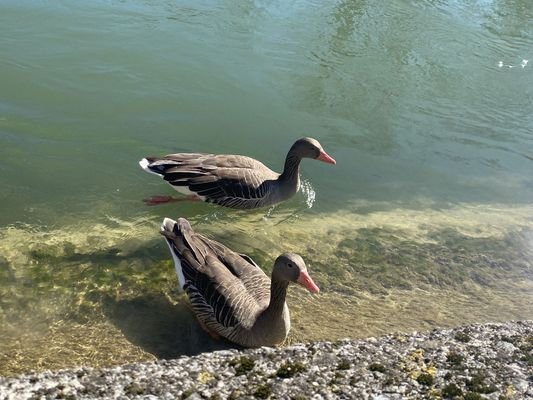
489 361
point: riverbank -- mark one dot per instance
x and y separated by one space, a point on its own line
493 361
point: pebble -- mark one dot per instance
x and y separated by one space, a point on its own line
380 368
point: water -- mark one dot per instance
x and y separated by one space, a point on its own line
426 220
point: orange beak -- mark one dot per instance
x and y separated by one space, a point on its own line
305 280
323 156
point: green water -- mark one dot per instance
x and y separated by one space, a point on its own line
426 220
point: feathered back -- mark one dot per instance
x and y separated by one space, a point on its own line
226 289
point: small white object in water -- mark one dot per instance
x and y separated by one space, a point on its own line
500 64
308 192
524 63
269 212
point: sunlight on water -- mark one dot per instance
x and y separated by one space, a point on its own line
309 193
522 64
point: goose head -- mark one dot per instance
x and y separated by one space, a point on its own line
291 267
310 148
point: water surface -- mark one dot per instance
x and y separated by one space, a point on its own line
426 220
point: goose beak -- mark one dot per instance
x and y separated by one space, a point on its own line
305 280
323 156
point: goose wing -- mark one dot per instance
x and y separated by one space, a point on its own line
229 180
217 280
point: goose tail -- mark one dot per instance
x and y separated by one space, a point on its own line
145 164
170 230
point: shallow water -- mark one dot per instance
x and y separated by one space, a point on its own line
426 220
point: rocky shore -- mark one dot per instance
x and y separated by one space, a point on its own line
490 361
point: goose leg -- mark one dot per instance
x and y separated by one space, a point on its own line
157 200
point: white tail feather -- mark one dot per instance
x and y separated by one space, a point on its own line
144 163
168 225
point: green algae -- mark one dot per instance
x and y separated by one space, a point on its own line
473 396
425 379
242 365
187 393
344 365
378 272
455 359
526 344
477 384
377 367
451 391
134 389
263 391
289 369
462 337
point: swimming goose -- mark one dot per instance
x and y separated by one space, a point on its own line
232 180
229 294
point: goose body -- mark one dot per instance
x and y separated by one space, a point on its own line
229 294
232 180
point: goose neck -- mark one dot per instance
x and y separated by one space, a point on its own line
291 170
278 293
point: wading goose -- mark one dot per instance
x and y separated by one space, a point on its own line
231 180
229 294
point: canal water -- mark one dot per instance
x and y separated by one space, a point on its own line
426 220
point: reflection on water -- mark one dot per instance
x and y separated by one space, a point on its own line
379 270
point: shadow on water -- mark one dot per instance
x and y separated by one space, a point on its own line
68 253
161 328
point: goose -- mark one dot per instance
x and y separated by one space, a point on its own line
229 294
232 180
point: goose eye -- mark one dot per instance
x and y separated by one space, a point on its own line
289 265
